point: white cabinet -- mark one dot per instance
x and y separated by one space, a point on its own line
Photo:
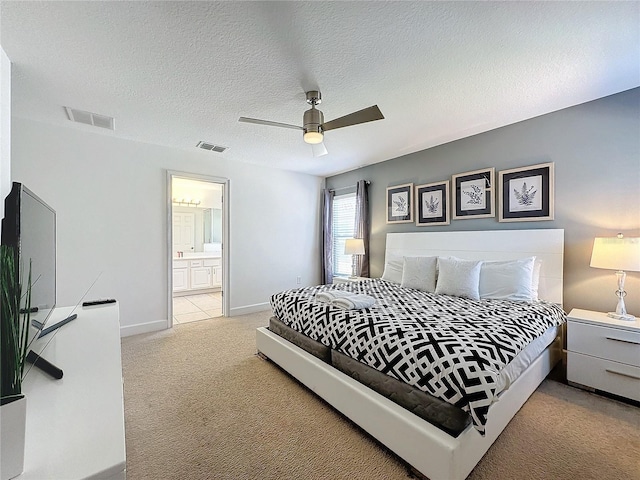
200 277
216 271
180 275
217 277
75 426
603 353
196 274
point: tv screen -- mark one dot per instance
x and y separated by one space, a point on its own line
30 226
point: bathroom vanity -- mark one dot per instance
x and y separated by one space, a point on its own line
197 272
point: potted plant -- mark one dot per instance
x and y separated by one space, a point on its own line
14 346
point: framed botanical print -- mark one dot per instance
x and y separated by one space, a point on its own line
526 193
473 195
432 204
400 203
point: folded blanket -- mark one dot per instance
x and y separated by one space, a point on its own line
354 302
330 295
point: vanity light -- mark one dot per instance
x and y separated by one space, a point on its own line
186 202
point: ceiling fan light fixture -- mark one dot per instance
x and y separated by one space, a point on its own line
313 137
312 121
313 125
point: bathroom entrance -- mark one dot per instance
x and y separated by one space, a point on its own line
197 227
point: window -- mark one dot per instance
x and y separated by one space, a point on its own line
344 216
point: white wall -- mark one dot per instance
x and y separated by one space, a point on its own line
5 128
110 198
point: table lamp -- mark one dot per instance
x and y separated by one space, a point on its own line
617 253
354 246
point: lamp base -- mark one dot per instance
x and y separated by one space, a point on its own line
621 316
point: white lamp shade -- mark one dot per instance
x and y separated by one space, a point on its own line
616 253
354 246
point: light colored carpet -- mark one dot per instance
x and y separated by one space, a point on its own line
199 404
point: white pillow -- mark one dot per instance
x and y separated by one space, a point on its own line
535 280
393 270
419 273
508 280
457 277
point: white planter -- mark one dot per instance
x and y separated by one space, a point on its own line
13 418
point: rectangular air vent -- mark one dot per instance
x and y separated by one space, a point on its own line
211 146
89 118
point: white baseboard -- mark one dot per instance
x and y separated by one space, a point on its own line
257 307
128 330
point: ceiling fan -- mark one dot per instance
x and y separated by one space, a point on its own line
314 126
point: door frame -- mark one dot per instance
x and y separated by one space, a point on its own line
226 297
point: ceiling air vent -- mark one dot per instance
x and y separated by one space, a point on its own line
211 146
89 118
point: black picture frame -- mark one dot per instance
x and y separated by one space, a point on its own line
400 203
473 194
432 204
526 194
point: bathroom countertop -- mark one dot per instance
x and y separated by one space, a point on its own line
196 255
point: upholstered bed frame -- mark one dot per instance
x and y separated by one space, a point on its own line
428 449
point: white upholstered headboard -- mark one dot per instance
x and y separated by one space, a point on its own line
545 244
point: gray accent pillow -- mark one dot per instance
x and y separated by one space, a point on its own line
419 273
458 277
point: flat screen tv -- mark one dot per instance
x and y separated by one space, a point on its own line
29 225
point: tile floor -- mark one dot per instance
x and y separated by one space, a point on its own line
192 308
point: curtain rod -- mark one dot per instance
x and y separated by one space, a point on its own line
347 187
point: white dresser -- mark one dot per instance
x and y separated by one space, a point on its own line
603 353
75 426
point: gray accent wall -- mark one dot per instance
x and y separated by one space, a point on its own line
595 148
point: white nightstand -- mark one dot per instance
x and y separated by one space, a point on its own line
337 280
603 353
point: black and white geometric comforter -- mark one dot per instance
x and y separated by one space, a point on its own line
453 348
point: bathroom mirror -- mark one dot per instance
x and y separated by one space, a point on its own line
212 225
207 224
216 228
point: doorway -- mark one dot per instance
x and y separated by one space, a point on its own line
197 231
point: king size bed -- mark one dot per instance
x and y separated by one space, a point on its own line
437 356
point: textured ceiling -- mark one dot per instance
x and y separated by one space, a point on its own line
177 73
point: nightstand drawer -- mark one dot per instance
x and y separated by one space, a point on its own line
611 343
612 377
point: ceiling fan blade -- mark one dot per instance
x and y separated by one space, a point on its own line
361 116
269 123
319 149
